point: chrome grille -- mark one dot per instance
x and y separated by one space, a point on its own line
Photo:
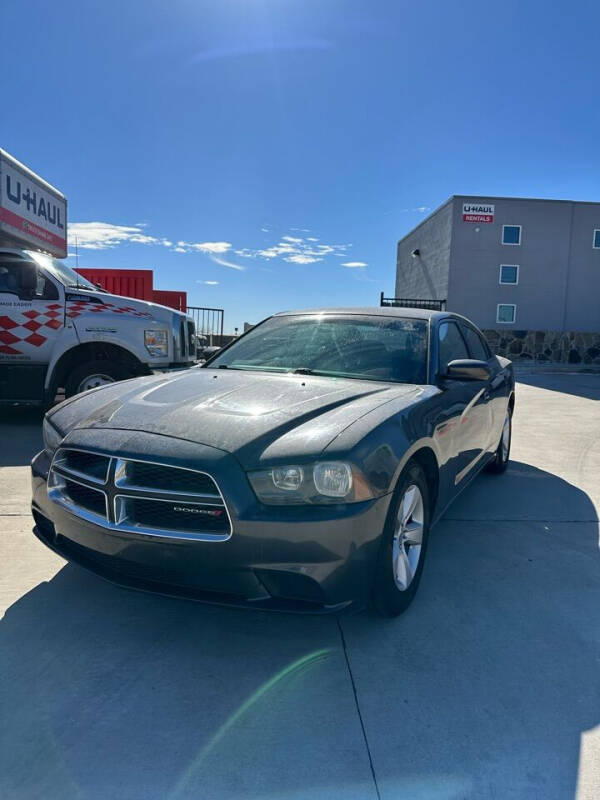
137 496
167 514
86 497
171 480
92 466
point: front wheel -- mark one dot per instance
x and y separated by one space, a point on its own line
404 544
92 374
500 460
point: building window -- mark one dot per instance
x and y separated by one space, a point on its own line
596 244
506 312
511 234
509 273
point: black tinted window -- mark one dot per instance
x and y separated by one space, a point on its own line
451 345
353 346
477 346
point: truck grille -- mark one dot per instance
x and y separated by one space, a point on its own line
191 329
141 497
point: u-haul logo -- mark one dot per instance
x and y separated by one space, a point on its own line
38 215
478 212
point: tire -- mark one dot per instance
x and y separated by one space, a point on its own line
396 581
92 374
499 463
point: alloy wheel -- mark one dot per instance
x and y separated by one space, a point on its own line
408 537
505 441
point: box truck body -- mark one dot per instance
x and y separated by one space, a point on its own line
33 214
57 329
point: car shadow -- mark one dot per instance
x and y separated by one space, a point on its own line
115 693
492 675
483 688
580 384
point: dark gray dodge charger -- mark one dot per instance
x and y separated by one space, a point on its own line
301 468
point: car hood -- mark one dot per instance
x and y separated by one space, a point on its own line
257 416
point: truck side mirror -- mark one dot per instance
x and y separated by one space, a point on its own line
28 280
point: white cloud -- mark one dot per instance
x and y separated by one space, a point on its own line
291 249
276 250
212 247
300 259
224 263
418 209
105 235
209 283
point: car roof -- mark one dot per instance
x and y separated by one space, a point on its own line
373 311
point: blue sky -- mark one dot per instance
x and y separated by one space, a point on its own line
249 151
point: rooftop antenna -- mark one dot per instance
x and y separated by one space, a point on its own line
77 258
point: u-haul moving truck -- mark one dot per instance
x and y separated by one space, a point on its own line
56 328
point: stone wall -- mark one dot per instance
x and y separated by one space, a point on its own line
557 347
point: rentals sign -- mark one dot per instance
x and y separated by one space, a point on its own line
478 212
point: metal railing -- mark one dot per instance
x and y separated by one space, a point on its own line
404 302
208 322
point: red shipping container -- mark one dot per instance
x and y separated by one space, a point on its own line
171 298
127 282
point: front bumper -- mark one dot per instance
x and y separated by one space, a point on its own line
313 558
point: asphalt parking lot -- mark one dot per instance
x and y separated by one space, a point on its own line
489 686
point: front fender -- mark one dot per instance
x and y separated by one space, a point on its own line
382 442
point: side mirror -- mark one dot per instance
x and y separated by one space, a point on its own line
209 352
28 280
467 369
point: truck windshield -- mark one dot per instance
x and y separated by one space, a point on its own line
356 346
67 276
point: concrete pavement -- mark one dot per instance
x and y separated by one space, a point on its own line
488 687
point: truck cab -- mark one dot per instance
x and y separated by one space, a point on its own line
59 331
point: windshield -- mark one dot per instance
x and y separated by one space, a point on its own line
349 346
67 276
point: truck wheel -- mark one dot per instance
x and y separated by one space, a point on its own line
93 373
403 544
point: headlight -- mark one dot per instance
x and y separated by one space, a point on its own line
332 479
156 342
319 483
52 438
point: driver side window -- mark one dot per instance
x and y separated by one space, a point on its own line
25 280
451 345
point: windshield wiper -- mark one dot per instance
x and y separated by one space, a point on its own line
303 371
